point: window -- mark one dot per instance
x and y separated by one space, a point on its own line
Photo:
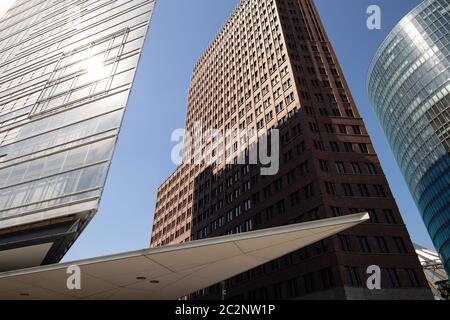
275 264
281 208
279 107
248 225
291 176
371 169
364 244
293 288
353 278
237 211
337 212
373 215
229 215
295 198
336 112
329 128
327 278
400 244
75 80
324 165
308 282
278 184
393 278
356 169
247 205
321 247
348 147
313 127
318 145
350 113
278 291
287 84
380 191
308 191
348 191
343 129
382 245
357 130
345 246
334 146
363 148
389 216
340 167
413 279
364 192
290 98
329 187
304 168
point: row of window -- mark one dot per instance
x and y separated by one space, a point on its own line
376 244
314 282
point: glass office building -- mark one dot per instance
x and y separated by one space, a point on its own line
66 71
433 269
409 85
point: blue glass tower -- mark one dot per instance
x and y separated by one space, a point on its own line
409 85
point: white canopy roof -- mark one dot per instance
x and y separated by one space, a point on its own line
170 272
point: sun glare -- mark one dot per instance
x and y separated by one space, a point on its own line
96 68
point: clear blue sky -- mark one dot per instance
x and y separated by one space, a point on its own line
181 30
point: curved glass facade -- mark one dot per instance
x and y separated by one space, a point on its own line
409 85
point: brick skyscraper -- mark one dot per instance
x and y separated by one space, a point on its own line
273 67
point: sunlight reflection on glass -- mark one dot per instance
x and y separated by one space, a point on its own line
95 68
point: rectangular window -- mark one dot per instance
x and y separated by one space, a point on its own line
340 167
324 165
357 130
348 147
356 169
327 278
308 191
329 187
308 282
413 279
380 191
337 212
334 146
343 129
373 215
389 216
353 278
293 288
290 98
400 244
247 205
345 245
364 244
363 148
371 169
348 191
382 244
364 192
393 277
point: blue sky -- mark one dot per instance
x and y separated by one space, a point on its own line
181 30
